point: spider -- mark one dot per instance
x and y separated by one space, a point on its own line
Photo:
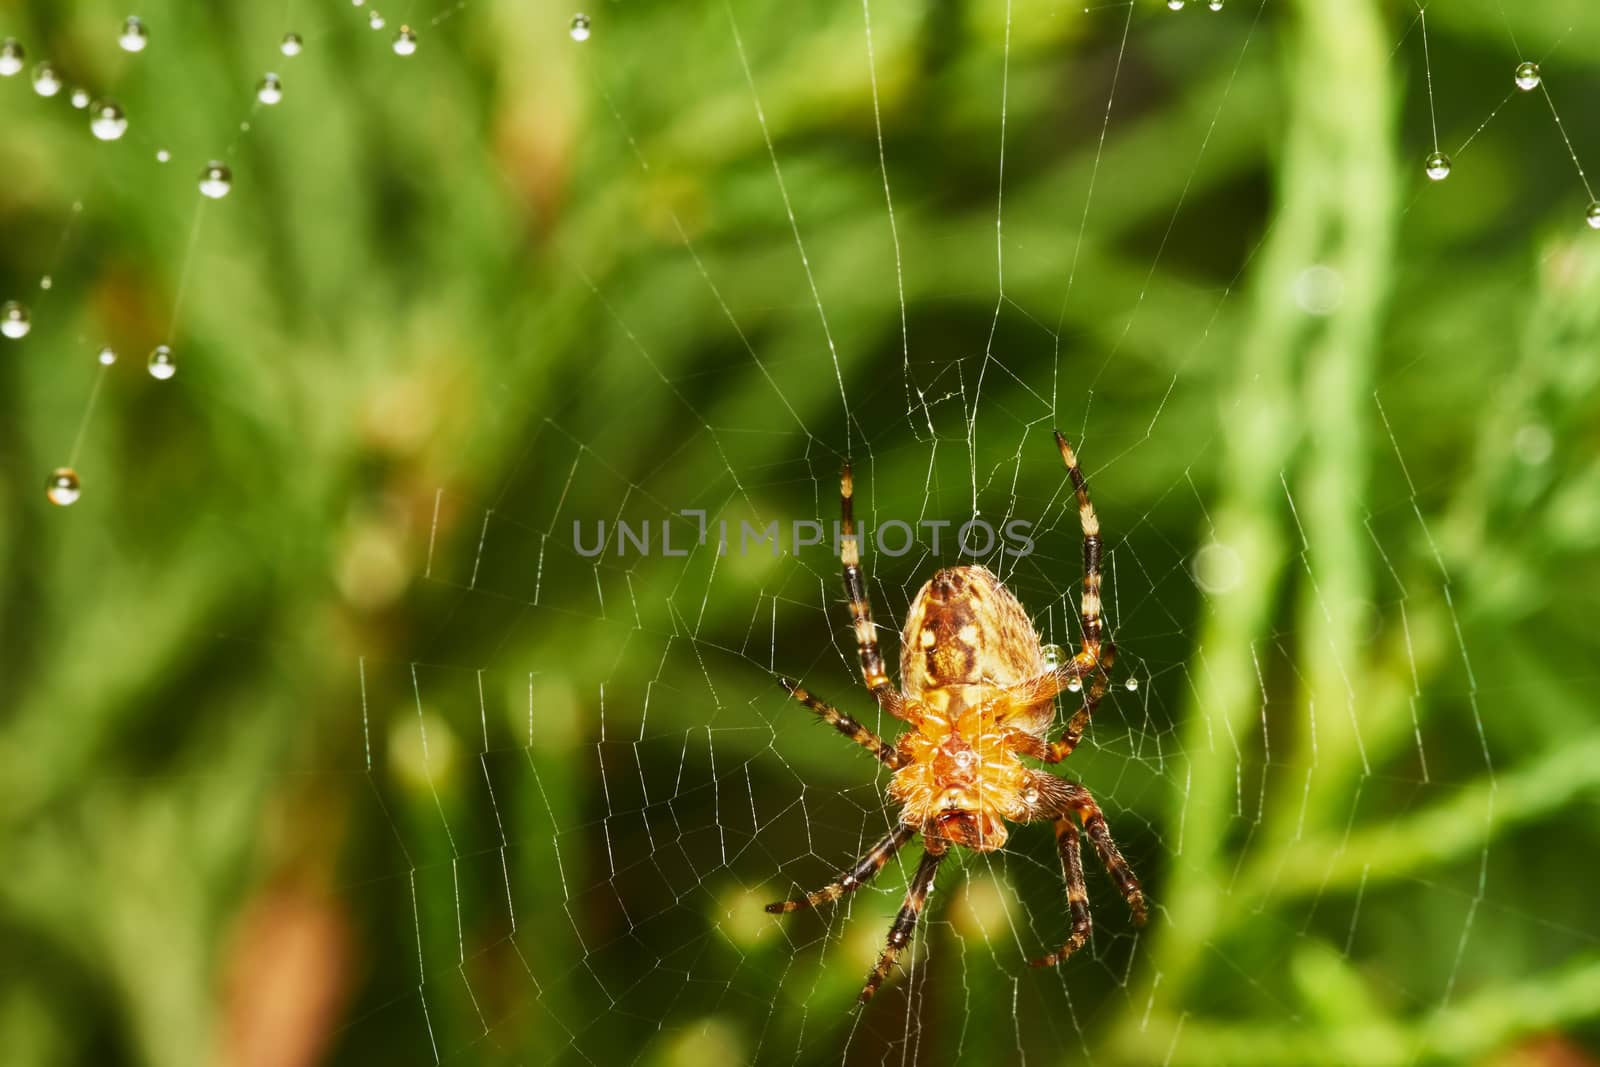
978 693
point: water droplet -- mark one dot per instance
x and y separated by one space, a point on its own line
162 155
46 282
1436 166
1527 77
107 121
1030 796
1216 568
270 91
46 82
134 36
62 488
11 57
357 3
580 27
375 20
1053 656
1075 686
1174 5
161 365
405 42
79 98
215 180
1215 5
1534 444
15 321
291 44
1592 216
107 356
1131 685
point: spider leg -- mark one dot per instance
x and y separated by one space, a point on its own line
1071 849
844 723
1094 825
866 868
855 587
905 922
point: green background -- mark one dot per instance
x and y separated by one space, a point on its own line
320 743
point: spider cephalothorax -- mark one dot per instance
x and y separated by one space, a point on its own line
979 694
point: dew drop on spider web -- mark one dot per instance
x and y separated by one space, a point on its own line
405 42
291 44
580 27
1527 77
79 99
134 36
161 364
162 155
1075 685
46 82
270 91
1215 5
1436 166
216 180
1174 5
1131 685
15 322
1053 656
107 356
1592 215
375 20
11 57
46 282
106 121
62 488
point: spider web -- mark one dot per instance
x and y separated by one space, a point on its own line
571 781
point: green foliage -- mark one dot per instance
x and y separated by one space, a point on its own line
317 726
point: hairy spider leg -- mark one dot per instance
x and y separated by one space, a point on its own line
844 723
1094 659
1071 849
866 868
905 922
855 587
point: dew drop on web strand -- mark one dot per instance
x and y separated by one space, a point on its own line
106 356
79 98
270 91
161 364
1436 166
1592 215
62 488
106 120
15 322
46 82
291 45
216 180
579 31
405 42
134 37
1527 76
375 20
11 56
